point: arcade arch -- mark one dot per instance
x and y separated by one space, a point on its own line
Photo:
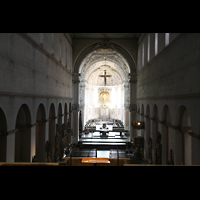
3 136
91 63
23 135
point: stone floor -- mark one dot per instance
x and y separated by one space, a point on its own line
93 153
113 145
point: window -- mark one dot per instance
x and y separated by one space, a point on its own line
156 43
66 57
139 59
70 60
143 55
166 39
148 49
60 50
41 39
52 44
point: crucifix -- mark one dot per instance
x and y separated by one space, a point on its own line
105 77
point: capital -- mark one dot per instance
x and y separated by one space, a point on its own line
133 107
133 77
75 107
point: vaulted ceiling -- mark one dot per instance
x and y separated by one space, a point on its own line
105 35
99 60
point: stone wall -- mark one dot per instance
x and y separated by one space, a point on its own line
170 80
34 73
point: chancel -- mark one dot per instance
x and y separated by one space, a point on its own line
78 99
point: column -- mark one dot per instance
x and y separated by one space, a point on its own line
10 149
133 102
82 100
126 105
75 109
33 142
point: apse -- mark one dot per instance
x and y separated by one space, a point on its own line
104 86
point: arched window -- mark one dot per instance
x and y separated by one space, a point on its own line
156 44
166 39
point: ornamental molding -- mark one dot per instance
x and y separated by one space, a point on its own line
105 44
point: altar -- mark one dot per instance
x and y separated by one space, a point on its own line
104 128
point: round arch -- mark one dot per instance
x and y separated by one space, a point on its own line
128 89
40 133
102 45
183 148
52 133
147 150
3 136
23 135
165 134
154 131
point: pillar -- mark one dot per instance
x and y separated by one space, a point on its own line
75 109
33 142
10 149
133 102
126 105
82 100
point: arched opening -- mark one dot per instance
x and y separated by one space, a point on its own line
59 119
65 115
23 135
104 90
183 144
3 136
154 131
147 150
40 134
52 132
166 119
70 114
59 134
91 80
142 119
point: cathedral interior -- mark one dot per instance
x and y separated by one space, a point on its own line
107 99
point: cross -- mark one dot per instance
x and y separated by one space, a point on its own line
105 77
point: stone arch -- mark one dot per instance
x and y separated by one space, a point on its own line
23 135
40 133
130 83
3 136
59 132
59 119
147 132
142 119
52 131
166 119
142 109
65 115
70 113
154 130
110 45
183 141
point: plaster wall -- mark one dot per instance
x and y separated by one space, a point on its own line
25 69
175 71
172 78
